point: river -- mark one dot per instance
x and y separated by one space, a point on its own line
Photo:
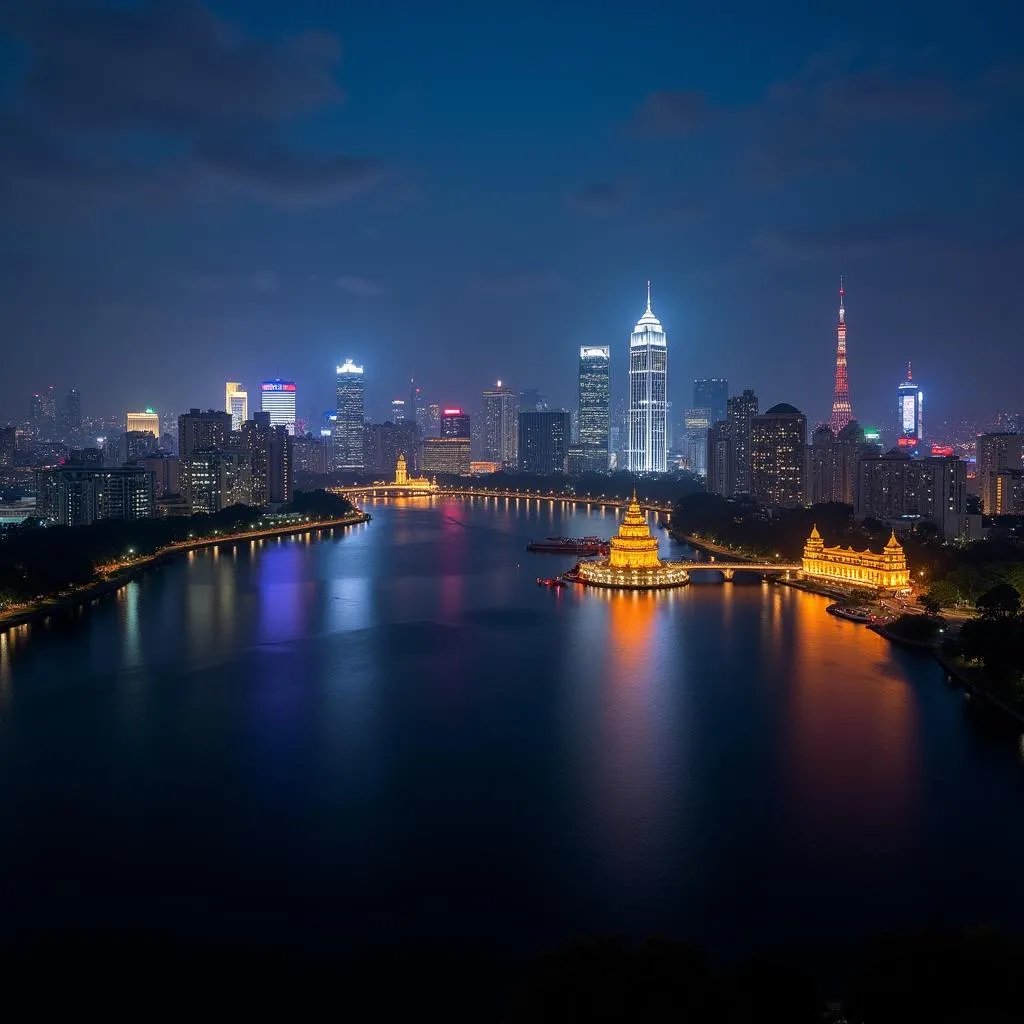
393 733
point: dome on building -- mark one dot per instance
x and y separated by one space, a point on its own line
648 320
783 409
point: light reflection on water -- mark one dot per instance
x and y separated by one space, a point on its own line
430 736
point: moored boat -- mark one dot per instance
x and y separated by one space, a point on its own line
569 546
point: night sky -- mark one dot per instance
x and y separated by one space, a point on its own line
191 193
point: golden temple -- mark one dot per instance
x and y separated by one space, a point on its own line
633 562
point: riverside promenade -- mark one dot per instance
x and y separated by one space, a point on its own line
114 577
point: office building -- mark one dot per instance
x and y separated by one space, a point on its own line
348 426
450 455
80 495
648 381
999 469
544 438
696 424
532 400
500 425
594 407
236 402
454 423
277 397
740 411
398 413
383 443
434 421
137 422
778 457
910 412
719 459
711 393
896 488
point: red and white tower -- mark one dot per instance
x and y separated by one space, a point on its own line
842 412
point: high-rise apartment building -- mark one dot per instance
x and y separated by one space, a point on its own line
719 459
999 467
740 411
143 422
711 393
500 425
595 408
80 495
255 444
896 487
910 411
236 402
544 437
210 429
351 414
778 456
277 397
280 467
8 447
648 382
449 455
832 462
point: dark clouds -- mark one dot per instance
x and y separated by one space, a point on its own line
167 99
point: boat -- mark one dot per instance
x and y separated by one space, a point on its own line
864 615
570 546
550 581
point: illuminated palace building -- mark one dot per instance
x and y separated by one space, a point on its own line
412 483
633 563
887 571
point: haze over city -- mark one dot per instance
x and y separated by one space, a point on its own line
194 193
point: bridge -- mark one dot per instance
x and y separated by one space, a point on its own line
729 569
387 490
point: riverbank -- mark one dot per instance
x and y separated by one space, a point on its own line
114 581
973 681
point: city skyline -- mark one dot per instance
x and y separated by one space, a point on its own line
326 232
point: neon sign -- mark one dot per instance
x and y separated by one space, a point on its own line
276 386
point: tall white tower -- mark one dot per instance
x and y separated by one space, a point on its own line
648 363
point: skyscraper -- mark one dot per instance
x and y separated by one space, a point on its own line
595 407
399 412
236 402
778 456
741 410
648 428
910 414
696 424
412 407
348 427
842 412
544 441
711 393
501 425
277 397
454 423
72 413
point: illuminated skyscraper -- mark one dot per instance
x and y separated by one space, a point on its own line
399 411
910 414
236 402
277 397
501 425
1000 467
741 411
348 427
842 412
648 427
595 407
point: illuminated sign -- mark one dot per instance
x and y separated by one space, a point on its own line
907 442
277 385
942 449
908 420
594 352
349 367
453 412
872 434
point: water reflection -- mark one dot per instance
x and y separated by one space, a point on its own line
853 732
